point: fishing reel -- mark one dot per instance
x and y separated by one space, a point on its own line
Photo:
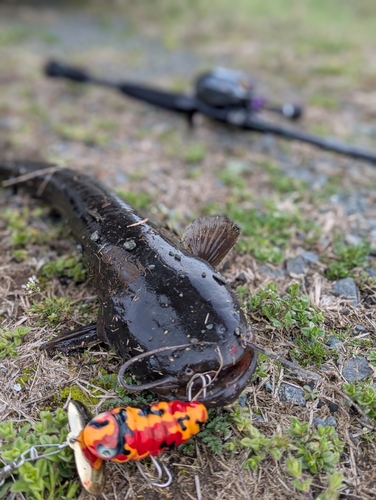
234 90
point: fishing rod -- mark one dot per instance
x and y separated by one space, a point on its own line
223 95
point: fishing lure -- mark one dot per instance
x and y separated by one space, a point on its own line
125 434
129 434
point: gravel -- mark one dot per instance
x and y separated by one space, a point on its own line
290 394
356 369
347 288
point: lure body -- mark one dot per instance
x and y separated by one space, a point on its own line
125 434
153 292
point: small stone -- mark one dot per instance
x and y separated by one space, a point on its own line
353 240
296 267
271 272
17 387
129 245
318 421
242 278
209 327
330 421
333 407
268 387
334 343
346 287
242 401
359 329
356 369
371 272
290 394
309 257
354 439
151 267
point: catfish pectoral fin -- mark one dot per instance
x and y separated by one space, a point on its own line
84 336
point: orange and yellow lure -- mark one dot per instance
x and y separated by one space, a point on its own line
124 434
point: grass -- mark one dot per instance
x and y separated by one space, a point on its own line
44 479
347 258
10 340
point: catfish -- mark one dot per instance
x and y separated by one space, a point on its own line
155 291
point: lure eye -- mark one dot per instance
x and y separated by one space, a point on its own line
104 452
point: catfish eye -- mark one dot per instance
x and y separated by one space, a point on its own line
188 371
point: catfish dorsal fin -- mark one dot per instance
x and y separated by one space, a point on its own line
211 238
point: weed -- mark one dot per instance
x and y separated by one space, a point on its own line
372 358
318 449
124 398
48 477
266 234
140 201
194 152
52 310
364 394
309 351
292 309
310 449
94 133
260 369
69 266
215 431
18 225
10 340
347 258
232 174
311 393
324 101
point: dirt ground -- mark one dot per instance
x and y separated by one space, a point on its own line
181 174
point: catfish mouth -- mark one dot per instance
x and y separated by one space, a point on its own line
230 382
223 390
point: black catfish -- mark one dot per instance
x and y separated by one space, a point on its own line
154 292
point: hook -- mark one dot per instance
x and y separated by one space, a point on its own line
206 381
159 474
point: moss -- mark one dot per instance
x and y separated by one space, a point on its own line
78 394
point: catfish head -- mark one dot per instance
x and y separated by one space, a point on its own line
182 300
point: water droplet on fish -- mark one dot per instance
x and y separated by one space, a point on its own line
129 245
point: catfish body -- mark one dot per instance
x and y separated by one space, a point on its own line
152 292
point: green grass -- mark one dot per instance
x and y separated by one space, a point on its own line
295 22
46 478
10 340
348 257
70 266
140 200
267 232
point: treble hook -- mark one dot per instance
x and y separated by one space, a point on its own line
206 381
159 473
